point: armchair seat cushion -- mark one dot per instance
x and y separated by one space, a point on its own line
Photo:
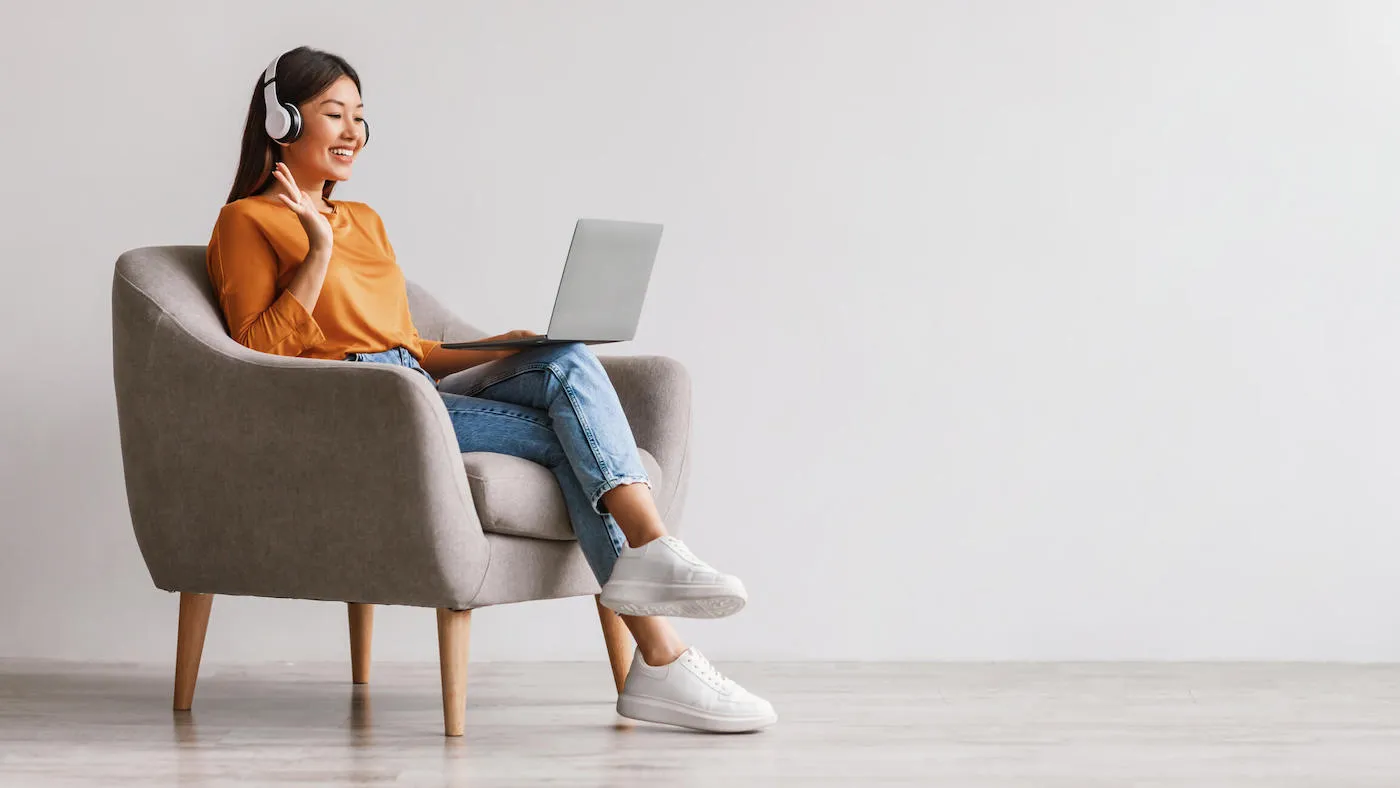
518 497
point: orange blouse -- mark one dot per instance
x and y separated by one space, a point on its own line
255 250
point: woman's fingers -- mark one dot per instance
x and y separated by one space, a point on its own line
283 196
286 178
292 189
296 199
282 179
290 202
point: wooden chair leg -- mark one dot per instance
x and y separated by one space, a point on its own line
361 635
454 637
618 640
189 645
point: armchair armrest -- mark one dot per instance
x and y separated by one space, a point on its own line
256 474
655 392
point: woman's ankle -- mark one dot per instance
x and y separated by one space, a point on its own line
637 540
664 656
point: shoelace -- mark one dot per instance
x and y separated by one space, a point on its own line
684 551
708 671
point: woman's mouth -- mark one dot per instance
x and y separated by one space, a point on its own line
342 154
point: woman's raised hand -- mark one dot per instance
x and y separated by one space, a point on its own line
318 229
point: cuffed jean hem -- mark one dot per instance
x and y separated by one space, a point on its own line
596 499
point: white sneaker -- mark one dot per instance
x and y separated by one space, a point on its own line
663 578
691 693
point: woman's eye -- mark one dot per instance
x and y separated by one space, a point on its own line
360 120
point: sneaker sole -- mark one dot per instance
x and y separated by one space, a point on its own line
713 602
671 713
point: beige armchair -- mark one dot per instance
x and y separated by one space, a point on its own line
262 475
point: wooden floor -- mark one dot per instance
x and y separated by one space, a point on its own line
939 724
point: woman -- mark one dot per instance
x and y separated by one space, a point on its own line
299 274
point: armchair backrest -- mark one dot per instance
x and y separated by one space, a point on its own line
242 476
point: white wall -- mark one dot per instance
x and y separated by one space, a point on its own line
1019 330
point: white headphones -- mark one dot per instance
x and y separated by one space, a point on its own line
283 121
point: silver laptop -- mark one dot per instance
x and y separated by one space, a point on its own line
601 291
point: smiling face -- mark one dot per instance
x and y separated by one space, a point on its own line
331 121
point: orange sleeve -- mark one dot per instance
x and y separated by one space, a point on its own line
243 270
428 345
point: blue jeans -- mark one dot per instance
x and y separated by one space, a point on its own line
554 405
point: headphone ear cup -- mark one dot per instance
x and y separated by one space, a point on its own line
278 122
366 142
294 133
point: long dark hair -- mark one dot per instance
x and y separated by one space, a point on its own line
301 75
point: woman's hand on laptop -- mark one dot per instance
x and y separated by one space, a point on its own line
519 332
